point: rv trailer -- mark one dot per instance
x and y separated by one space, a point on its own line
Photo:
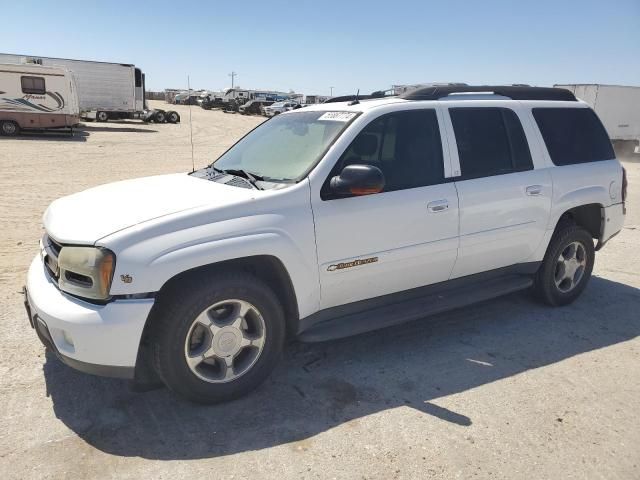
36 97
106 91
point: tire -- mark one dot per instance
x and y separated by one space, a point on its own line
553 284
9 128
160 117
102 116
173 117
178 338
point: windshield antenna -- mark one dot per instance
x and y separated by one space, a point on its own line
193 162
356 101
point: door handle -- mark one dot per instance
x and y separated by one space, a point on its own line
533 190
438 206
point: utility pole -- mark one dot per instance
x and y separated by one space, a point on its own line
331 94
233 76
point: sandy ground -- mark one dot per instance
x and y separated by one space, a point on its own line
504 389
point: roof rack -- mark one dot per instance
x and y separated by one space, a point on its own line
349 98
514 92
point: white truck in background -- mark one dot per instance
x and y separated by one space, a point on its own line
106 91
619 109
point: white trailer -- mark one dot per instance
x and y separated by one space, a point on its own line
36 97
619 109
105 90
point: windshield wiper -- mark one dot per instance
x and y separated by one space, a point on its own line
238 172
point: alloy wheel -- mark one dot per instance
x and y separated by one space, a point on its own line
225 341
570 267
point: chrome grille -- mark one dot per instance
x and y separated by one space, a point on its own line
51 252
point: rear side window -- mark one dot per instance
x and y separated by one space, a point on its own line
490 142
573 135
405 145
33 85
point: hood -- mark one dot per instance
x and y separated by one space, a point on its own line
86 217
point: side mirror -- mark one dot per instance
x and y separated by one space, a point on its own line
358 180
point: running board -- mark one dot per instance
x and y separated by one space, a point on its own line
413 309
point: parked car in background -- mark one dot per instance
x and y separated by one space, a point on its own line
254 107
326 222
34 96
280 107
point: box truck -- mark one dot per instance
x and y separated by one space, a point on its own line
36 97
106 91
619 109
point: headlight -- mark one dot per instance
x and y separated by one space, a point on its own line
86 271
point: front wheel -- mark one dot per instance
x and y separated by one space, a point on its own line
567 266
217 338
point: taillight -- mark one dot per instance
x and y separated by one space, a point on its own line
624 185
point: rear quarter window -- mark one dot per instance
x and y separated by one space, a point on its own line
573 135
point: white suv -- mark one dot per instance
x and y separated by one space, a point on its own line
323 223
280 107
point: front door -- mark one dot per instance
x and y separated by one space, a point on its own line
404 237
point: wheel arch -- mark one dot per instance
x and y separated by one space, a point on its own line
589 216
267 268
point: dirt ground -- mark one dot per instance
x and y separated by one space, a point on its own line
505 389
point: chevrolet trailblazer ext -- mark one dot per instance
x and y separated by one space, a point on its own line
322 223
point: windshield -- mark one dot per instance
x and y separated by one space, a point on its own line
286 147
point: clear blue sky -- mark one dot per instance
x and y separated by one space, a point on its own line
309 46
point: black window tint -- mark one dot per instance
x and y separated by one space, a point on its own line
490 141
33 85
138 77
404 145
518 145
573 135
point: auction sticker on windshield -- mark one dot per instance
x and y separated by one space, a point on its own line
337 116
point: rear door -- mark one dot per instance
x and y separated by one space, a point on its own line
504 202
402 238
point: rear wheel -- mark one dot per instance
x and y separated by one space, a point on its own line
173 117
102 117
217 338
567 266
160 117
9 128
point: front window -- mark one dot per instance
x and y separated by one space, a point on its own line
286 147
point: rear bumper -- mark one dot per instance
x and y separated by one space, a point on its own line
97 339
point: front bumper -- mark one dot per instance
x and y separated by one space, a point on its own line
97 339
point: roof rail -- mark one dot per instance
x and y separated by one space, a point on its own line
349 98
511 91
